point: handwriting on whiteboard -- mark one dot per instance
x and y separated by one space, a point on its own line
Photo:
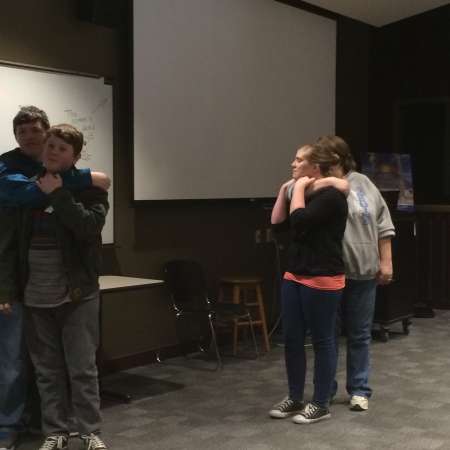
86 124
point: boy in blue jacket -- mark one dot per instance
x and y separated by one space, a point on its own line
17 167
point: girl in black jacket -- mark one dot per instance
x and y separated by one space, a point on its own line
314 280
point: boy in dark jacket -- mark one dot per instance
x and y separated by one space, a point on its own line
59 252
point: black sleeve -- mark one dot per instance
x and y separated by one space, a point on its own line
282 226
320 208
84 216
8 255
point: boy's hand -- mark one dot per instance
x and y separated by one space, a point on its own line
49 182
100 180
5 308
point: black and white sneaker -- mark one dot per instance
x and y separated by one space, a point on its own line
93 442
312 413
56 442
287 407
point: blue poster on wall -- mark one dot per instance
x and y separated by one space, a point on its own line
391 172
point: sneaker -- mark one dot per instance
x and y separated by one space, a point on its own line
9 440
285 408
312 413
359 403
93 442
56 442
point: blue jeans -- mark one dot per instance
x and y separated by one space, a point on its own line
305 308
13 369
356 316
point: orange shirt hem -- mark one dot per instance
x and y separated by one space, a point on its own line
326 283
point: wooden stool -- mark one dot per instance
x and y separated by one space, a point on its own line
240 288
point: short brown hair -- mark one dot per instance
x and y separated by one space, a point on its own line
70 135
339 146
29 114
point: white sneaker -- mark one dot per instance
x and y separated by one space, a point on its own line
359 403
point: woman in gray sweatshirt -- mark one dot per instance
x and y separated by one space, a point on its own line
368 262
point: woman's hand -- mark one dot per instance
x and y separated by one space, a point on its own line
304 182
340 184
298 193
384 275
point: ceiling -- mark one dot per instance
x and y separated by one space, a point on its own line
378 12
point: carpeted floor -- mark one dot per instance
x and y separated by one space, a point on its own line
183 404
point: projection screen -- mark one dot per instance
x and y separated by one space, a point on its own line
225 91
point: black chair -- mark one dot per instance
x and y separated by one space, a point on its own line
186 282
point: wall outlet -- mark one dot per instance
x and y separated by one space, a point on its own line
269 236
258 237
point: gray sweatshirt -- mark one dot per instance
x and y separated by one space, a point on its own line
368 221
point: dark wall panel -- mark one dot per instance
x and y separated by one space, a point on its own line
352 83
410 60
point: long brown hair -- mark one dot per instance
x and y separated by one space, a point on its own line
341 148
323 155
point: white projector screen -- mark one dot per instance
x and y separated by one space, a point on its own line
225 91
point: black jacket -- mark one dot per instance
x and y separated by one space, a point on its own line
79 219
316 234
15 190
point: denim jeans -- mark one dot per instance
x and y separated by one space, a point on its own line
356 316
13 369
305 308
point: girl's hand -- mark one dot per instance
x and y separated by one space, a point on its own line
305 182
340 184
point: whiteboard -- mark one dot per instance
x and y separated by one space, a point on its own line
225 92
85 102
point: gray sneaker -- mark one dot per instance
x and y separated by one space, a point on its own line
287 407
